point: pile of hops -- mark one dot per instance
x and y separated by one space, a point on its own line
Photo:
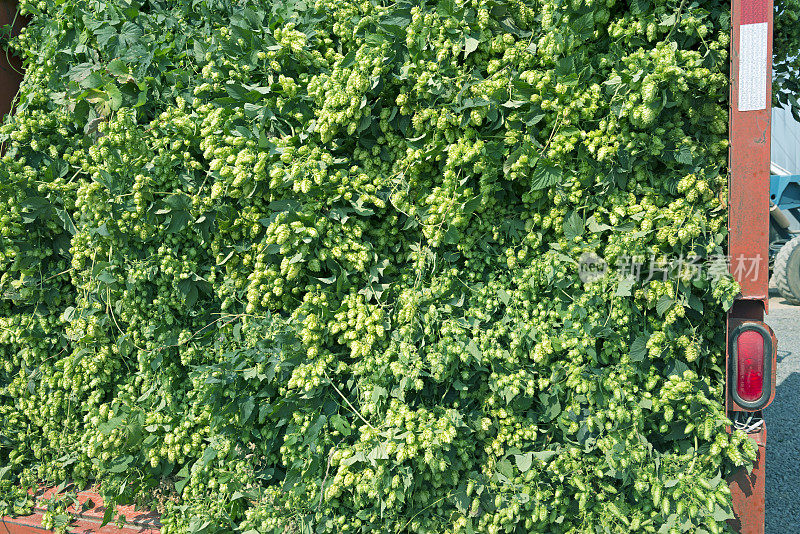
321 267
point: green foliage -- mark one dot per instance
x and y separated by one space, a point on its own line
312 267
786 56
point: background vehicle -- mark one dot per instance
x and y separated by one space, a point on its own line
784 235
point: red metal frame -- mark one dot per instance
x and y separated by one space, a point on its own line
748 489
748 237
10 66
749 156
84 521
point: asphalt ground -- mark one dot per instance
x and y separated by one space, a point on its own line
782 418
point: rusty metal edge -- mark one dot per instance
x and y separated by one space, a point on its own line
748 491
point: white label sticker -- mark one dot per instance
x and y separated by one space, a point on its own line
753 67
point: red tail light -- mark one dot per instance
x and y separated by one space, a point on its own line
750 353
750 365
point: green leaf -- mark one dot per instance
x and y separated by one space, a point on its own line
595 227
668 20
573 225
470 45
348 60
314 430
462 500
129 34
183 478
664 304
638 349
511 159
396 22
550 405
341 424
178 221
684 155
106 277
624 286
378 453
584 24
544 456
639 7
473 349
722 514
108 515
92 81
114 96
66 221
209 454
179 202
504 468
676 367
524 461
545 176
246 409
121 464
695 302
103 230
504 297
117 67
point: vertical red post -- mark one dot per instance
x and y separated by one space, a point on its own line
749 155
748 490
10 66
748 215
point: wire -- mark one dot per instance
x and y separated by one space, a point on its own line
748 422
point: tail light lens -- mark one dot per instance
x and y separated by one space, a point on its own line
751 365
